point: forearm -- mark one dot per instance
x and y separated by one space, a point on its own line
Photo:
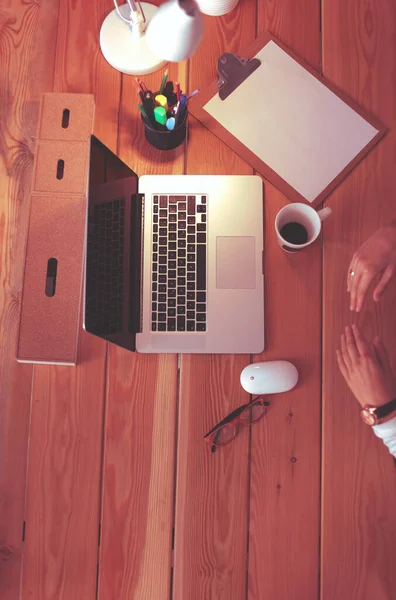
387 433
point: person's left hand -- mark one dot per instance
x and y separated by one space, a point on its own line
366 370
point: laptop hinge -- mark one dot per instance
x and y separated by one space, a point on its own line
136 263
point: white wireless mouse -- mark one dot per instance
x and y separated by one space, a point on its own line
270 377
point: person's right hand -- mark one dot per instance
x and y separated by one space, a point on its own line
367 371
377 256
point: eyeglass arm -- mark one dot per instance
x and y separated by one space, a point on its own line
234 414
228 418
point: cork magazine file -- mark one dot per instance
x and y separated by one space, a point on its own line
53 275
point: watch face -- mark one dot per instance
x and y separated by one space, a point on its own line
368 417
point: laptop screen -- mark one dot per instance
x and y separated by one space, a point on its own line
112 284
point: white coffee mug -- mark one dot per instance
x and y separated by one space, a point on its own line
297 225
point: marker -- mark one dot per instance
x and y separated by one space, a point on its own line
162 100
194 93
163 82
168 91
170 123
149 96
160 115
148 104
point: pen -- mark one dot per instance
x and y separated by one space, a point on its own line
177 89
163 82
142 85
182 109
194 93
176 108
144 115
137 85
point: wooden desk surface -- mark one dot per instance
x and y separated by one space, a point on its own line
106 487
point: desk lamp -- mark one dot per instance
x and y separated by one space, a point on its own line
137 38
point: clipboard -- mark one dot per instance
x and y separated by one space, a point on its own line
286 120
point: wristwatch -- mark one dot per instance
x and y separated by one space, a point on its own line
374 415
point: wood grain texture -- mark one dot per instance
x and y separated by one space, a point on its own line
62 507
65 455
212 489
220 503
285 448
359 484
138 484
297 24
27 42
140 432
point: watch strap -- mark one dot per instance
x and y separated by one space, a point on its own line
385 410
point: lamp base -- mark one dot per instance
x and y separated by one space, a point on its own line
122 50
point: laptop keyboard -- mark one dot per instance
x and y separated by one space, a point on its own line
105 252
179 263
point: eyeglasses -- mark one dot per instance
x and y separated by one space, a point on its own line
225 431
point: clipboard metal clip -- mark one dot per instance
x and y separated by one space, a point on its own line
232 70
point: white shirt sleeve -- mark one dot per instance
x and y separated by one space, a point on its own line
387 433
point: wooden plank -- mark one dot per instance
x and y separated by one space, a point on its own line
138 484
28 34
64 475
140 436
359 487
285 447
212 489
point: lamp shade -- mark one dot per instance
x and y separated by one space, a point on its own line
175 31
124 44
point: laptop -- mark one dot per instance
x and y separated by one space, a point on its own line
174 263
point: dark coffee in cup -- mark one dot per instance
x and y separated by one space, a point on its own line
294 233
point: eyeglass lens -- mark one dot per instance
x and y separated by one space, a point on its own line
224 434
253 412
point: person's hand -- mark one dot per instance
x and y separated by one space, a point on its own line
377 256
366 370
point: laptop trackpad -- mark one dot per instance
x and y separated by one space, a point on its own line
235 262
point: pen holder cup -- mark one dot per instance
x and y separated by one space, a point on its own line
164 139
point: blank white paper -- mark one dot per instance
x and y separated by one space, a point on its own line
293 123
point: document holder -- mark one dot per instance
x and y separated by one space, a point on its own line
286 120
